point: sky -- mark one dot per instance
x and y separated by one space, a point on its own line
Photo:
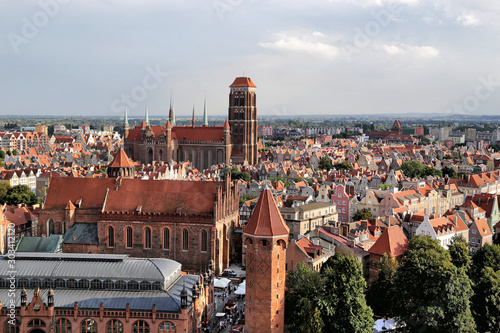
325 57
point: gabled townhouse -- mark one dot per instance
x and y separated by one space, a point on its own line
479 234
439 228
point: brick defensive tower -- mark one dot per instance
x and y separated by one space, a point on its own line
266 239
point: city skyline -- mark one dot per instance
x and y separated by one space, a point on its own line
325 57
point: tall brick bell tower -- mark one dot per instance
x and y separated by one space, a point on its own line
243 121
266 239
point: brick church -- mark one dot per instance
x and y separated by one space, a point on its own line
191 222
203 146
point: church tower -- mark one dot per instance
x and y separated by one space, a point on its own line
243 120
265 238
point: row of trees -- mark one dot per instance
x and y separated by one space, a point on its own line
414 169
430 290
20 194
325 163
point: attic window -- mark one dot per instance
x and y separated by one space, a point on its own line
78 202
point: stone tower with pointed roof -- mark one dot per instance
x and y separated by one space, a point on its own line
266 239
121 166
243 121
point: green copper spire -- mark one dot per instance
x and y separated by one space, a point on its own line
125 123
205 117
146 116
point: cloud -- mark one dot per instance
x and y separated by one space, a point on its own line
303 44
468 20
408 49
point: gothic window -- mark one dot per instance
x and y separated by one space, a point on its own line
185 240
89 326
194 159
129 237
140 326
166 327
220 157
63 325
186 155
210 158
160 155
111 237
50 227
202 160
8 328
114 326
147 238
204 241
150 156
166 239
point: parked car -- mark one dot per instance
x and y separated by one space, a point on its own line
229 272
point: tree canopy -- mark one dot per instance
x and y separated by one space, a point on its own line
329 301
325 163
430 293
19 194
379 294
345 165
459 252
362 214
486 301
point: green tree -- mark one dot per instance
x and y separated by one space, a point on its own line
412 169
362 214
4 190
325 163
451 172
486 301
385 187
432 294
21 194
246 197
345 165
428 171
379 295
304 292
14 152
486 256
345 308
2 154
459 252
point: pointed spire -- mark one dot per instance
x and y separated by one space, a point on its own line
193 121
146 115
266 219
226 124
171 113
125 123
205 116
169 126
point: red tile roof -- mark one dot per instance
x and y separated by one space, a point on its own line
121 160
243 82
392 241
266 219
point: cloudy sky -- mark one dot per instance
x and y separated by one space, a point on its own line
90 57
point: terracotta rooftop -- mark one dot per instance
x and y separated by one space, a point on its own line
392 241
121 160
266 219
243 82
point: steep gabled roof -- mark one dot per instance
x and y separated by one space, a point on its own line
392 241
121 160
266 219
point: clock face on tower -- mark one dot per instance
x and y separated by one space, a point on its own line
37 306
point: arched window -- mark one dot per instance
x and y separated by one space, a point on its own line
83 284
220 157
109 285
186 155
96 284
147 238
185 240
194 160
89 326
114 326
202 160
8 328
60 283
210 159
160 155
36 323
111 237
35 283
204 241
63 325
129 235
150 156
179 157
121 285
145 285
133 285
166 326
50 227
140 326
166 238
